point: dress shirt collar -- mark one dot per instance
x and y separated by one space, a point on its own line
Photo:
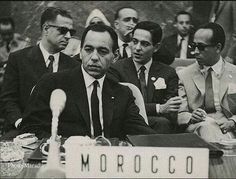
147 66
46 54
217 68
120 43
180 37
89 79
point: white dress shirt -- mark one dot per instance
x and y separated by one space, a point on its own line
46 55
184 46
89 88
128 49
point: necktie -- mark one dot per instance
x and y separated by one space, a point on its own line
50 65
95 111
209 95
143 82
179 47
125 55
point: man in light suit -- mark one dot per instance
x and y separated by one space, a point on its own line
161 81
224 13
95 105
25 67
208 88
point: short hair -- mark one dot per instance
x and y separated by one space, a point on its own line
116 16
7 20
51 13
183 13
102 28
153 28
218 35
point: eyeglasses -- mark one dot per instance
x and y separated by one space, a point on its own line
200 46
63 30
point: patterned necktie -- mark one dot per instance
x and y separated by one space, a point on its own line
179 48
95 110
50 65
209 95
125 55
143 82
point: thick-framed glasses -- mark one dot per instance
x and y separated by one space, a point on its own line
63 30
200 46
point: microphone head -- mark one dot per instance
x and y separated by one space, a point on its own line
57 101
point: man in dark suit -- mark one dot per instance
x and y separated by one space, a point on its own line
179 43
25 67
96 105
157 82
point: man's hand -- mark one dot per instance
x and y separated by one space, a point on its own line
227 126
172 105
198 115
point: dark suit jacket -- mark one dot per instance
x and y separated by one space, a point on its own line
125 71
170 43
120 114
24 69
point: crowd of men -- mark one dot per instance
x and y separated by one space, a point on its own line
200 98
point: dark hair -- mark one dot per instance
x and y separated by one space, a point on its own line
121 8
51 13
153 28
218 35
7 20
102 28
183 13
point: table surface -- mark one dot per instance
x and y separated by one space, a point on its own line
223 167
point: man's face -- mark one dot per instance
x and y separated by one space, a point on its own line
57 33
142 47
125 23
96 53
6 31
183 24
206 53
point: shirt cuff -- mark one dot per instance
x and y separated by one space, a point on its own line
158 108
18 122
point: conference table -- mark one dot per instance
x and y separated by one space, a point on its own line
222 167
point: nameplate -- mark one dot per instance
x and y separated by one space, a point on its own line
136 162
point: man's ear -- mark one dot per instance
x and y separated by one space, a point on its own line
157 46
219 47
116 56
45 28
116 24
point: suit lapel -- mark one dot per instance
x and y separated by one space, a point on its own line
80 94
198 79
62 62
108 98
153 72
131 72
38 62
224 81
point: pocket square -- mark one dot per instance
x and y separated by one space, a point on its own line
160 84
232 88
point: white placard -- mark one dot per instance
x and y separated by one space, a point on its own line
136 162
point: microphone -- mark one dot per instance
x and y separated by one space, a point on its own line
57 102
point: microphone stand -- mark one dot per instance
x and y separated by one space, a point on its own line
53 168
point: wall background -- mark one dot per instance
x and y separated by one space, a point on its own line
27 13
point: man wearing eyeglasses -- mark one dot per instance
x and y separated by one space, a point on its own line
208 88
25 67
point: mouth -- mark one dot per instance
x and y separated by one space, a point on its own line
137 55
94 67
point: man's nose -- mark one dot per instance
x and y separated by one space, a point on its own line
196 50
138 46
68 35
94 56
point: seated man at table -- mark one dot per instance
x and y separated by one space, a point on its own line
208 88
95 105
157 82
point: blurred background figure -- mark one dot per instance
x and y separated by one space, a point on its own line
178 43
97 17
9 40
224 13
73 47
